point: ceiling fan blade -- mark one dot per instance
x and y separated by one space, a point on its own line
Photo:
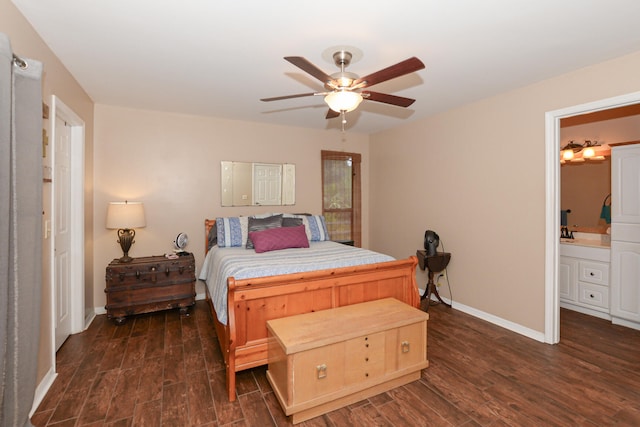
400 69
308 67
332 114
400 101
300 95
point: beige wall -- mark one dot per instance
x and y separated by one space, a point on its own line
171 162
56 81
584 185
476 175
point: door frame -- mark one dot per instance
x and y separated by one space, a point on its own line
552 193
76 200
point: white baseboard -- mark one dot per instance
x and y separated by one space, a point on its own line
503 323
507 324
627 323
42 389
201 296
100 310
89 318
584 310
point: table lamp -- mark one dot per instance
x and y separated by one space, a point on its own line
125 216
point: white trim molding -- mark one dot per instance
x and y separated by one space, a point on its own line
498 321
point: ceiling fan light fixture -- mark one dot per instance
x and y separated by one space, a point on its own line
343 100
341 80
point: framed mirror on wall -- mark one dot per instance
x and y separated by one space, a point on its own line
257 184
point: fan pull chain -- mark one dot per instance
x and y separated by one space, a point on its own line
344 119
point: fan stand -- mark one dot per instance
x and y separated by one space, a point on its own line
433 264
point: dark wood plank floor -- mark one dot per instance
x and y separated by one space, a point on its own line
166 370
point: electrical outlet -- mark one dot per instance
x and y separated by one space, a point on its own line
442 278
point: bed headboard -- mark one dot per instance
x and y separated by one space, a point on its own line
208 224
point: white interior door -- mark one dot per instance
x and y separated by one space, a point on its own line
62 232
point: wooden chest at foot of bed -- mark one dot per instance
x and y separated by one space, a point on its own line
149 284
322 361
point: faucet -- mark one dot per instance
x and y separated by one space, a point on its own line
565 233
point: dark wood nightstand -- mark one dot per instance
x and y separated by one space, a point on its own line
149 284
344 242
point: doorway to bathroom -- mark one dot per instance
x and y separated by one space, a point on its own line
585 112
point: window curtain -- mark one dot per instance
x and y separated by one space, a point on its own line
20 232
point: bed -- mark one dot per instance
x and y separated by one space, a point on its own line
240 319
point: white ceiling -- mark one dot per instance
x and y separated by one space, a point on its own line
218 58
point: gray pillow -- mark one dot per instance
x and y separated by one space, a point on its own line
259 224
212 239
291 222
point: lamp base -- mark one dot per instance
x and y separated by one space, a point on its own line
125 238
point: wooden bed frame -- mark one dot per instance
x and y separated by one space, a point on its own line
251 302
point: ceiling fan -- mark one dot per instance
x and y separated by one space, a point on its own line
344 89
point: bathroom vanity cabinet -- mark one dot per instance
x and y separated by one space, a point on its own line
584 279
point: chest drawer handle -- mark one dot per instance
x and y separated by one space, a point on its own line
405 346
121 276
181 269
166 272
321 370
138 274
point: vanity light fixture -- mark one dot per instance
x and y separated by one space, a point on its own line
589 150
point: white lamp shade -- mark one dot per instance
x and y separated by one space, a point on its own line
343 100
125 215
588 152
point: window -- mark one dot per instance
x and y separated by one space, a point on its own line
341 198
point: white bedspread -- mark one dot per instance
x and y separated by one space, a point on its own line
242 263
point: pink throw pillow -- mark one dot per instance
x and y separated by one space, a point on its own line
273 239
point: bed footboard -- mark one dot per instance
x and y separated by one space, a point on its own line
251 302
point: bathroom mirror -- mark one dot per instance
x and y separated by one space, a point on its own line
583 189
257 184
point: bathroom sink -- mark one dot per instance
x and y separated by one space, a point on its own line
586 242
